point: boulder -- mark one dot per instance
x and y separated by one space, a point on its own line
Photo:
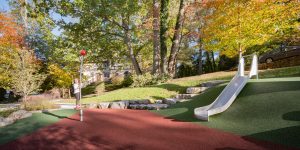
104 105
158 101
133 106
119 105
133 102
20 114
170 101
195 90
126 103
185 96
144 101
157 106
5 121
92 105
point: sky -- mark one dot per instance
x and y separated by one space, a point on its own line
4 7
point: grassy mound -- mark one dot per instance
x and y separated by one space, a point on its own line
266 109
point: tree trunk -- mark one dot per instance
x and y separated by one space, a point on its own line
208 62
213 61
156 39
200 67
164 14
176 39
131 53
69 93
63 93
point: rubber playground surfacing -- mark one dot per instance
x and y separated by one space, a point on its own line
131 129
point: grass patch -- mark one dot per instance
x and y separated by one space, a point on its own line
266 109
31 124
281 72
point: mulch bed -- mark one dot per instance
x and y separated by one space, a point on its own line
131 129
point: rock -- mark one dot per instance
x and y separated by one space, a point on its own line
142 106
133 106
133 102
126 102
157 106
170 101
92 105
158 101
196 90
145 101
104 105
148 106
119 105
20 114
5 121
185 96
213 83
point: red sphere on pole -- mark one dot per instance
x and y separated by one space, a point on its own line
83 52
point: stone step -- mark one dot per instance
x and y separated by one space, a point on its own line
148 106
185 96
123 104
196 90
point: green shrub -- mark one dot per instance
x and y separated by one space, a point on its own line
99 88
128 80
148 79
38 104
111 87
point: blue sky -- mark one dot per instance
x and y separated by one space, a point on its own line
4 7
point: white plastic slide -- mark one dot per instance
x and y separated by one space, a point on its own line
229 94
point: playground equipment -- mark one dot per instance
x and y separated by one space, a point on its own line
231 91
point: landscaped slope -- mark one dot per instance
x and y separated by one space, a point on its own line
180 85
266 109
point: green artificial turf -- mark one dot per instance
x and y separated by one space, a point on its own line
31 124
266 109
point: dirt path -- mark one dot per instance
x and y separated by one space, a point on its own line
131 129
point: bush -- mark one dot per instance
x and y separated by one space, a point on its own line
99 88
111 87
127 81
117 80
148 79
38 104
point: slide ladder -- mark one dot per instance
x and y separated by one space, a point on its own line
230 92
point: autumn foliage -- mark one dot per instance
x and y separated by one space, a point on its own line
11 34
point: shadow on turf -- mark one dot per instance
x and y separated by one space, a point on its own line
288 136
60 117
293 116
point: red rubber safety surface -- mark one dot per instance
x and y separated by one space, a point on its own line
131 129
